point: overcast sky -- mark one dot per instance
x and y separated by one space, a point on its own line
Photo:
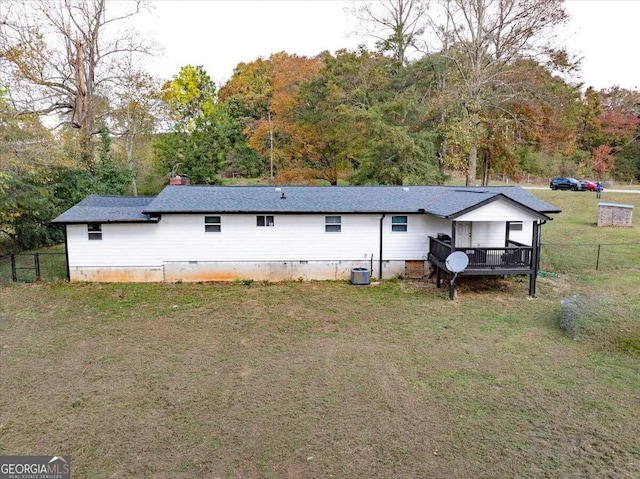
219 34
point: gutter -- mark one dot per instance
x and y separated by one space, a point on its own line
105 221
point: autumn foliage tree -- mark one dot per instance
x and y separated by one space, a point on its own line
482 39
263 96
609 131
602 160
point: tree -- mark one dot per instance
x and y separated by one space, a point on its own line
134 115
249 92
27 154
541 116
621 123
27 206
190 99
112 178
396 157
331 115
59 57
190 95
24 141
620 117
248 95
396 25
360 119
489 36
204 138
591 134
263 96
602 160
609 130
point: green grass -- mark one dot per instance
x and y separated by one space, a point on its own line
318 379
570 241
52 265
324 379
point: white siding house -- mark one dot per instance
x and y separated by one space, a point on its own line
488 224
196 233
297 246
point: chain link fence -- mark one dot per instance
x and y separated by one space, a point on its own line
30 267
580 258
554 258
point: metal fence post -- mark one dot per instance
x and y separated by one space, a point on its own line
14 273
36 260
598 257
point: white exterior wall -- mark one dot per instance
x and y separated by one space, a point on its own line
178 248
490 224
491 234
526 235
498 210
488 234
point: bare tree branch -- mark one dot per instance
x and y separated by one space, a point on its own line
58 56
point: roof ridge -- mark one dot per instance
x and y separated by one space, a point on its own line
118 196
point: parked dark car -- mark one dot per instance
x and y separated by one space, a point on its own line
566 184
588 185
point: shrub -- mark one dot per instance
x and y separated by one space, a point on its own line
571 316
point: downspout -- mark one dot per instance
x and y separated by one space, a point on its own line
543 222
380 258
66 253
535 260
453 236
371 266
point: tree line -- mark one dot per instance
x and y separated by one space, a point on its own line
474 87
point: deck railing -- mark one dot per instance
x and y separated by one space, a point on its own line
514 256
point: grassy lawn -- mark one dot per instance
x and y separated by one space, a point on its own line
52 265
326 379
318 380
570 242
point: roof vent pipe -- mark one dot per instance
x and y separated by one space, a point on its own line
283 197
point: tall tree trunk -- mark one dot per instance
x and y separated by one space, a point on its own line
442 154
131 163
473 161
83 112
485 168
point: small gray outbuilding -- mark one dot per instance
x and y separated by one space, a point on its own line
615 214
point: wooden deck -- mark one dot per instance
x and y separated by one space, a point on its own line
515 258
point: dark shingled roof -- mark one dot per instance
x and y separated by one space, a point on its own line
107 209
443 201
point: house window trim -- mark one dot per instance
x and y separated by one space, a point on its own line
329 226
398 226
94 231
516 223
211 225
269 221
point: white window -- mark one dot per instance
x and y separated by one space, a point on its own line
212 224
332 224
95 231
265 221
398 223
515 226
